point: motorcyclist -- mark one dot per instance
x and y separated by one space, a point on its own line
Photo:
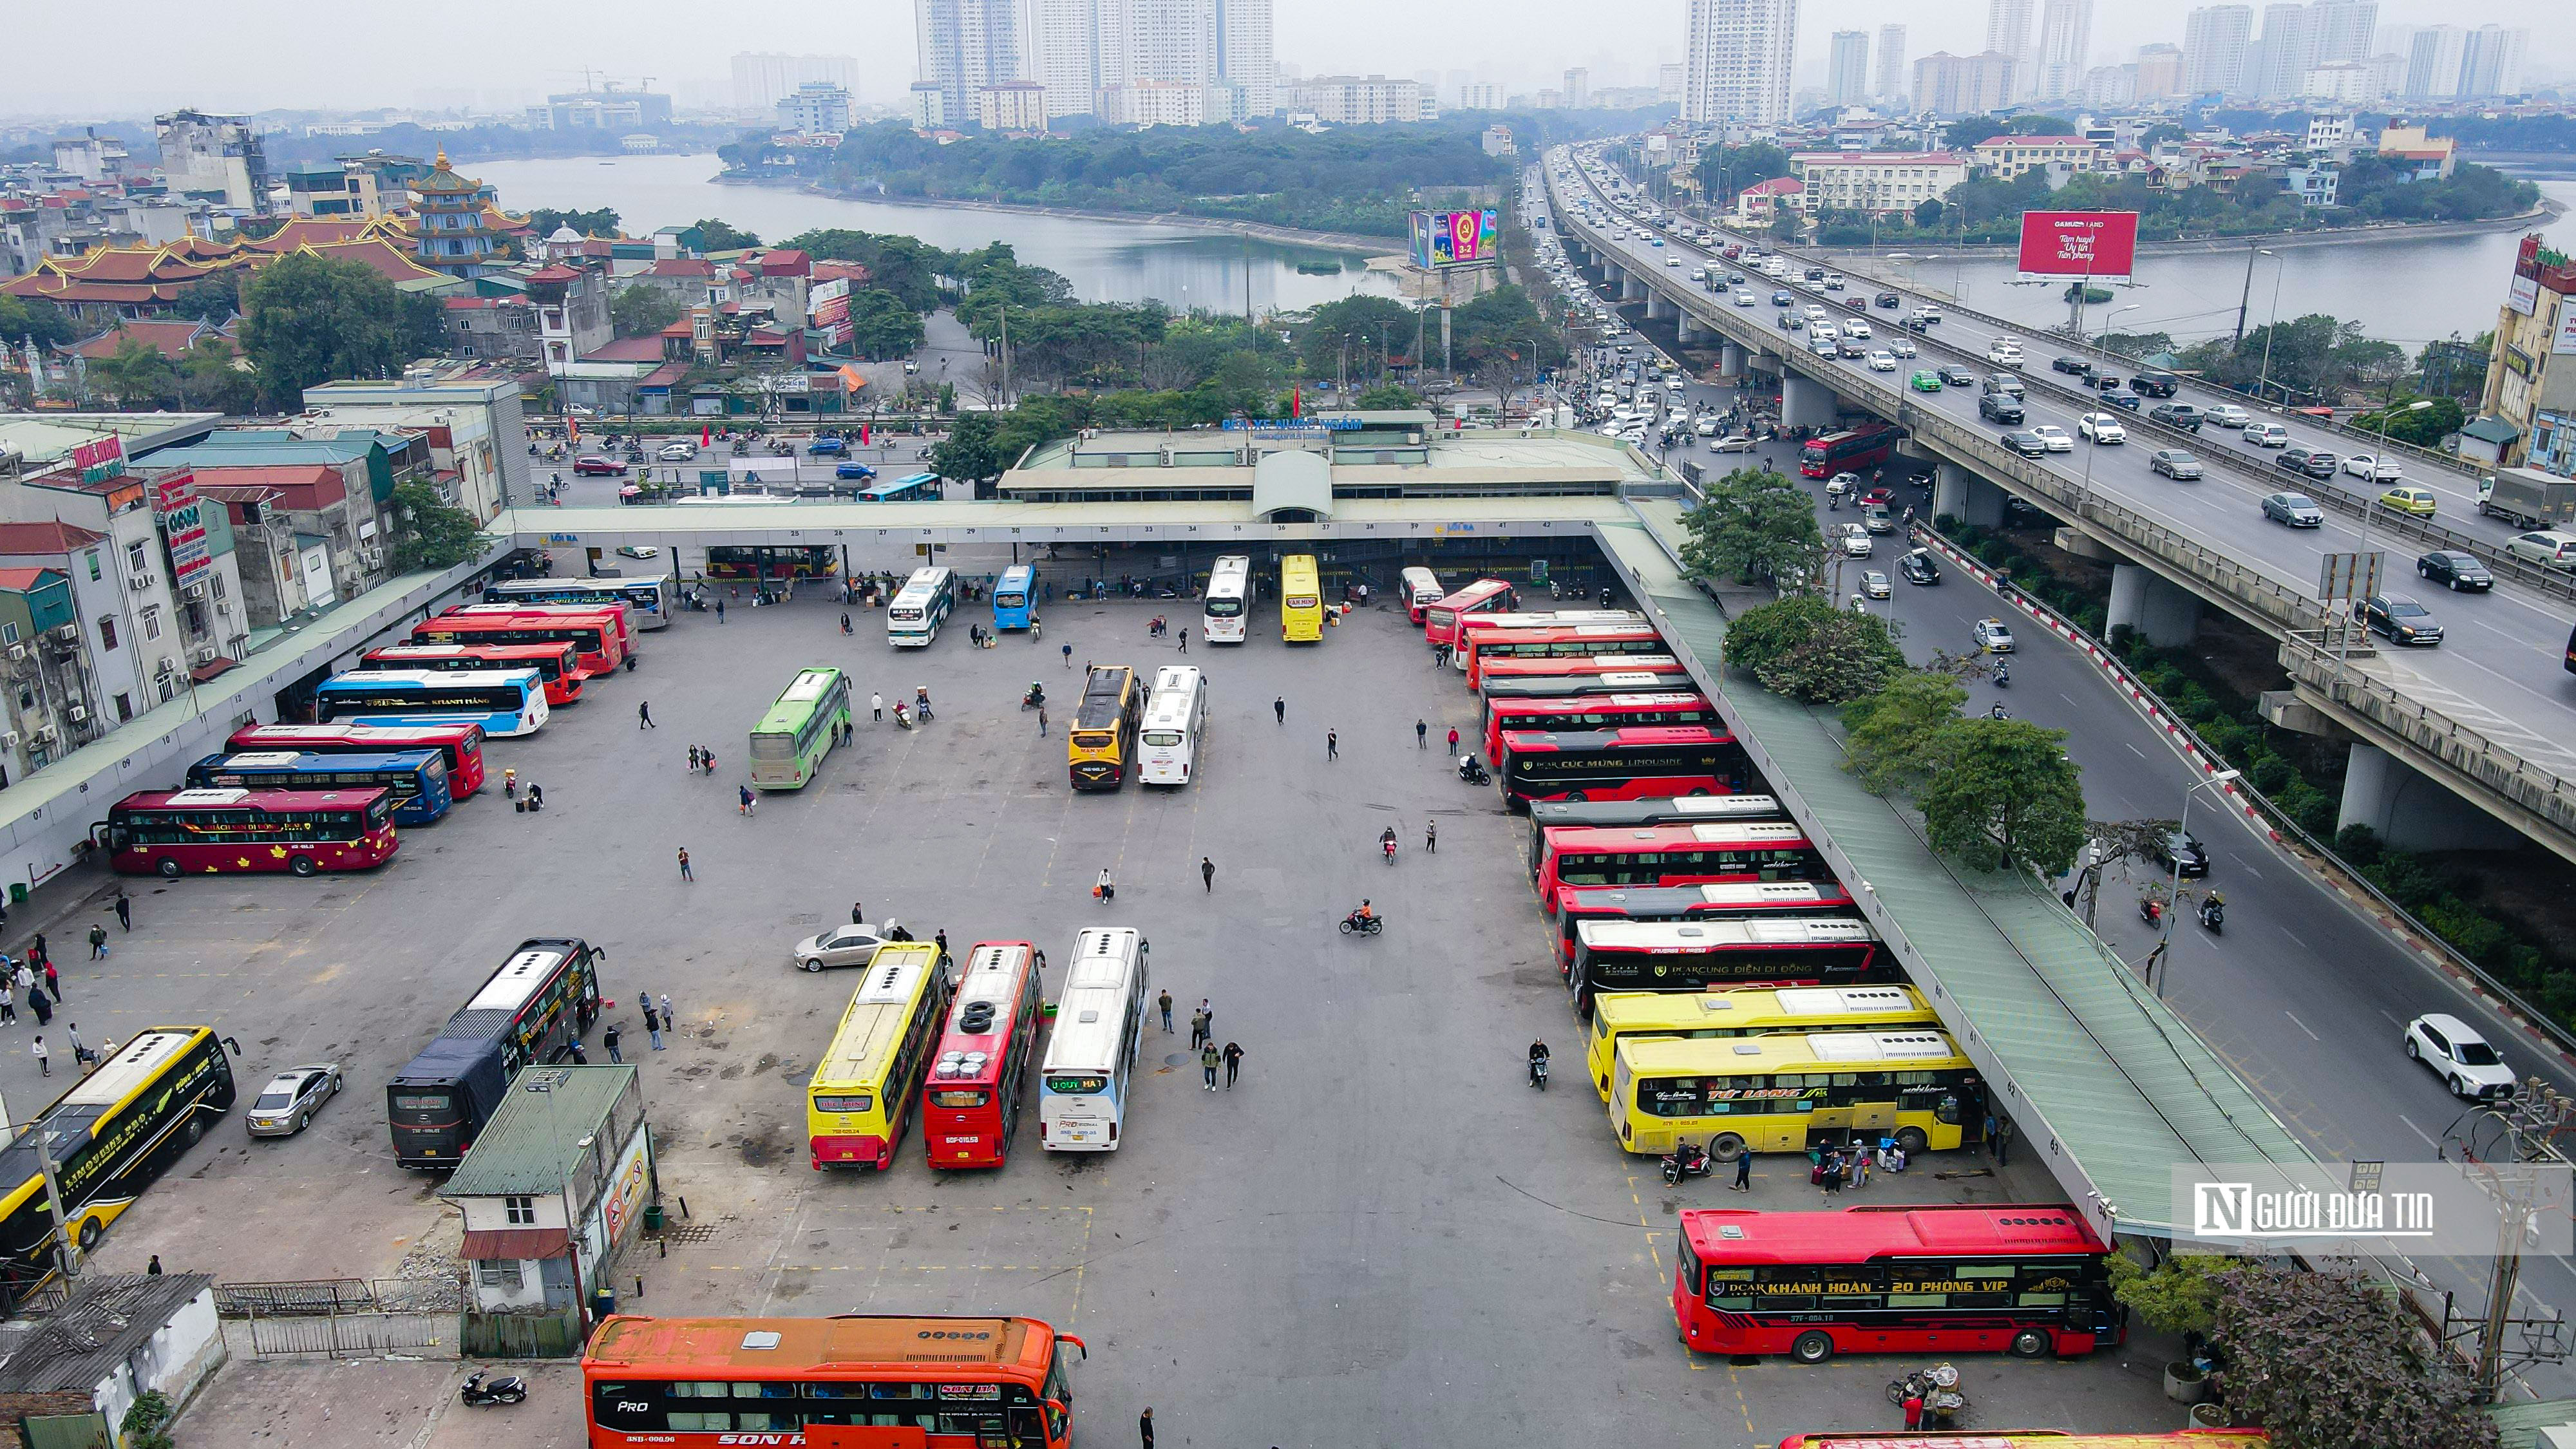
1037 693
1537 1059
2213 907
1690 1158
2003 672
1997 712
1386 842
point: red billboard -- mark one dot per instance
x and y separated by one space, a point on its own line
2078 243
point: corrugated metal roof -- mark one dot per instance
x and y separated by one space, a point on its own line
536 1136
110 1315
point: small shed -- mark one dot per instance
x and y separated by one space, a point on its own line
117 1337
554 1187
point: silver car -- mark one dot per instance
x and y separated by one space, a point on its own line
852 945
291 1098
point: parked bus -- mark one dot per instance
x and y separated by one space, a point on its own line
1713 901
1595 712
620 620
862 1093
1674 855
461 745
1440 617
651 599
1015 597
789 743
2029 1279
596 648
920 607
772 561
533 1008
1167 743
416 779
1748 1011
1546 815
1222 616
1591 674
2034 1439
502 701
1770 1093
1301 600
1103 738
558 665
1422 589
1578 641
1848 451
1612 955
1619 764
1474 626
208 832
944 1383
911 488
111 1134
971 1103
1091 1054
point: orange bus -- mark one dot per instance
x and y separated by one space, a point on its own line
2028 1439
851 1379
598 646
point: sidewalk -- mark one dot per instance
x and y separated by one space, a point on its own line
380 1404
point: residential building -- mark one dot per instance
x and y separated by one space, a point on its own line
2284 52
609 108
762 80
1080 49
1012 106
470 415
2343 29
926 106
2006 157
553 1188
815 108
1497 141
52 705
452 218
2159 73
77 1369
1077 51
1246 63
90 157
2346 82
1671 78
100 521
572 312
214 156
2109 87
1480 96
1578 87
964 46
2529 390
2314 183
2012 30
344 517
2433 63
2491 61
321 188
1741 53
1891 62
1157 103
1847 69
2214 39
1963 85
2331 131
1875 181
2065 41
1348 100
2431 158
1763 201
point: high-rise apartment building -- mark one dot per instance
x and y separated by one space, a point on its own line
964 46
1891 61
2343 29
1077 49
1670 78
2012 31
1740 54
1245 63
1578 87
2160 69
2214 38
761 81
2065 39
2491 61
1963 85
1847 68
1082 49
2284 52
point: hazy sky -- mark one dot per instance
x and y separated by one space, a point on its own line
488 53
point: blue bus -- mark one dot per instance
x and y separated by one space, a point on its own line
502 701
417 778
1015 598
918 488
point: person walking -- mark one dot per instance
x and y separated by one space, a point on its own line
693 759
1207 874
941 937
1145 1428
652 1024
1185 639
1421 734
858 915
1198 1030
1430 837
1453 739
644 715
1860 1167
609 1039
80 1049
44 1005
37 950
1209 1059
1209 1014
124 909
876 706
53 981
684 865
1279 707
1743 1172
1068 663
45 1067
1165 1000
719 611
1233 1063
1042 719
98 943
8 1003
745 791
1332 744
670 1018
2003 1142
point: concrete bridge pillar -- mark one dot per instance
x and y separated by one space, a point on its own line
1657 305
1963 495
1689 331
2165 613
2412 812
1630 287
1731 360
1767 364
1806 403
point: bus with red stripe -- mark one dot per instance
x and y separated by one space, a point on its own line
1619 764
558 663
1546 815
1710 901
1848 451
1440 617
1597 674
596 646
1594 712
1577 641
972 1097
205 832
623 614
1476 626
1620 955
462 744
1672 855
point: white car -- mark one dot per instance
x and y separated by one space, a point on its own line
2003 356
1706 427
2455 1052
1816 312
1875 584
1731 443
2101 428
1856 328
1927 315
1902 348
1672 261
639 550
1992 636
1857 542
1833 282
291 1098
1744 299
1823 332
1882 361
2374 468
2054 438
676 452
2225 415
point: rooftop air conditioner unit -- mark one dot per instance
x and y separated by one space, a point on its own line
78 714
17 653
162 666
45 734
140 583
8 740
204 655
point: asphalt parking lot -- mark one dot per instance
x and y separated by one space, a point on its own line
1380 1236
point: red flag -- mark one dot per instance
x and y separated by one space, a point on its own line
1296 402
863 435
706 435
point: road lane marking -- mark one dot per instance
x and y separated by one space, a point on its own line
2418 1131
2133 749
2303 1026
2293 935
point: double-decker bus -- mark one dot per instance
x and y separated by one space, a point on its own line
597 649
1091 1054
1619 764
1595 712
789 743
1440 617
502 701
2031 1439
1617 955
1301 600
651 599
1167 742
920 607
1592 674
1422 589
862 1094
772 561
911 488
1713 901
1103 739
970 1105
620 620
416 779
1848 451
1223 614
1744 1011
558 665
208 832
1015 597
540 1001
2030 1279
1770 1093
110 1134
461 745
718 1383
1673 855
1574 641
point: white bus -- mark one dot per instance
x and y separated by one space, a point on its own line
1229 600
1421 590
650 599
913 619
1091 1057
1175 720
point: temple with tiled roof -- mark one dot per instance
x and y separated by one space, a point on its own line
456 227
109 283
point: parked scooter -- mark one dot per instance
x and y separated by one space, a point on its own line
508 1389
1686 1162
1938 1387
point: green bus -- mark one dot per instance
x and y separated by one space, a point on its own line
789 743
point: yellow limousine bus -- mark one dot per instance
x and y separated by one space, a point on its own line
1301 600
863 1091
1769 1093
1750 1011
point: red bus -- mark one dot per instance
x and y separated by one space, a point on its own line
1617 955
1580 641
1594 712
1592 674
1619 764
462 744
616 609
594 638
971 1097
1484 596
1714 901
2031 1439
1848 451
559 663
206 832
1473 625
2026 1279
1672 855
846 1380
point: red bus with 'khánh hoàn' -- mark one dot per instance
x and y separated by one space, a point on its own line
1594 712
1595 674
1715 955
208 832
1440 617
1673 855
594 639
462 744
1619 764
842 1382
1848 451
1575 641
2029 1280
558 664
618 611
972 1094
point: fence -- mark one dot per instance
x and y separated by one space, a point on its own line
342 1317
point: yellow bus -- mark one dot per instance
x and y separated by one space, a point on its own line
1749 1011
1771 1093
1102 743
864 1090
1301 600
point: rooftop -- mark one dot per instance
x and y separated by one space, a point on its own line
109 1317
45 538
542 1129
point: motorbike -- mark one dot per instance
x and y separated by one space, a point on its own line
1356 924
1473 771
1538 1073
902 716
1687 1162
1997 713
2152 911
1938 1387
2003 676
508 1389
1034 699
1386 847
2213 914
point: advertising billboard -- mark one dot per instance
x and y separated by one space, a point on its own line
183 525
2078 244
2535 268
1456 238
829 311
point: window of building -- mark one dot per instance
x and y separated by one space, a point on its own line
169 687
134 558
152 622
500 1273
93 565
107 635
522 1211
218 584
124 708
9 632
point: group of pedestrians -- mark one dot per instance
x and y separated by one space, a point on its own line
37 980
1203 1041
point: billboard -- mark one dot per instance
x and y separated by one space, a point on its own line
1456 238
829 310
183 525
2536 267
2078 244
2562 338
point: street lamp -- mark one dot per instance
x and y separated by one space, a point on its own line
2368 502
2270 327
2173 893
2084 495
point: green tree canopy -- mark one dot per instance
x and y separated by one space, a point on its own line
882 327
1724 171
35 317
428 533
906 266
213 375
2002 792
136 374
2423 429
1812 652
722 236
209 299
599 221
1386 397
1893 731
1361 321
2325 1361
642 311
969 452
1753 526
307 320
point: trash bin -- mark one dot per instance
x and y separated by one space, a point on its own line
603 1302
17 893
652 1217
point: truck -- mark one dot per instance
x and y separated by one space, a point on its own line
2528 498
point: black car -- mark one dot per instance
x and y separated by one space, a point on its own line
2075 366
2177 415
2105 382
2399 619
1918 324
1958 377
2181 852
2026 443
2155 384
2315 462
2459 571
1995 407
1889 300
1918 568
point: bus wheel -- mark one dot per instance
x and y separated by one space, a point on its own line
1572 797
1912 1140
169 868
1813 1346
2030 1343
1726 1147
300 865
90 1232
195 1129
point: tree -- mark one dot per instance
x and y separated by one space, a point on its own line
1927 213
2423 429
35 317
719 236
1893 730
642 311
1387 397
1724 172
1766 632
1754 525
545 221
307 320
1967 131
2178 1295
136 374
968 452
2324 1360
882 326
2002 792
1361 321
208 299
214 376
1813 652
429 534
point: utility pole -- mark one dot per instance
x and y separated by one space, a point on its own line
2245 297
64 1249
1006 355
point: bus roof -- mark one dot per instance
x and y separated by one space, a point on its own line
441 678
1021 575
306 759
1750 1006
610 609
1859 1234
878 1011
76 1113
1785 1052
518 978
1550 619
138 1061
1562 633
1644 666
1654 810
805 1346
1090 1013
320 736
498 649
1648 902
1469 595
796 703
1544 705
1676 837
1104 697
1627 737
235 798
1612 933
